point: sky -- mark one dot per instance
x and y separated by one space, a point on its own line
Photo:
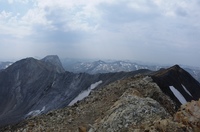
157 31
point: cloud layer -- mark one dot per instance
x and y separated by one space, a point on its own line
160 31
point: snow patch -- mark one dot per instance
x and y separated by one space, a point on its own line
8 65
35 112
136 66
94 85
178 95
84 93
194 72
186 90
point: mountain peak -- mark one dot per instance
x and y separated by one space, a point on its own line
55 61
163 71
50 57
100 62
176 79
176 67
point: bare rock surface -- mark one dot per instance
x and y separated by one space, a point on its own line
132 110
186 119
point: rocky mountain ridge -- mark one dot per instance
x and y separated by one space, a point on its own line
30 87
134 104
177 80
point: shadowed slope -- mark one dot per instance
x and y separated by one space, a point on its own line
178 78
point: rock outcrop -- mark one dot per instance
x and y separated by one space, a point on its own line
189 115
187 119
130 111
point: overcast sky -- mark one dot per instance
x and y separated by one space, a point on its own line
158 31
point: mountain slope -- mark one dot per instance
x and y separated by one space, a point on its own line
22 85
30 87
176 79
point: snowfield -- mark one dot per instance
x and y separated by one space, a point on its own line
178 95
85 93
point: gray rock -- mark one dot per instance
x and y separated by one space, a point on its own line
130 110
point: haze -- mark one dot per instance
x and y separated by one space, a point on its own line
158 31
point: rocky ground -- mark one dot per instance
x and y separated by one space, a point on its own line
133 104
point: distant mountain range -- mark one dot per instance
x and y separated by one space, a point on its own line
4 65
100 66
94 67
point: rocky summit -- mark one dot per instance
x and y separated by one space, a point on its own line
138 103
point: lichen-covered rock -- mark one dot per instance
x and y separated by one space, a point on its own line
187 119
131 109
168 125
189 115
148 88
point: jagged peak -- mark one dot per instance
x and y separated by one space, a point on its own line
51 58
51 63
54 60
100 62
166 71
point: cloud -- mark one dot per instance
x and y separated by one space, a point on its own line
146 30
121 13
181 12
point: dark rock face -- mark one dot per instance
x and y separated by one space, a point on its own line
179 79
21 86
30 87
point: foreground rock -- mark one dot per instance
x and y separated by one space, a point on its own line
131 111
189 115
